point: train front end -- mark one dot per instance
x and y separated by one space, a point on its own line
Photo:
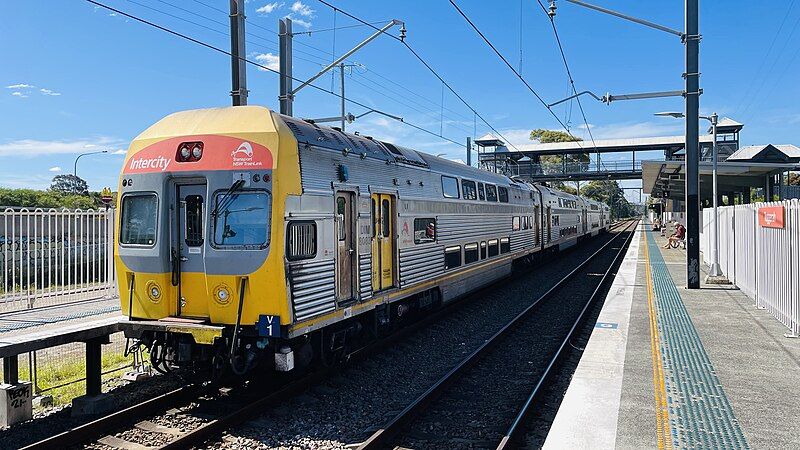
199 236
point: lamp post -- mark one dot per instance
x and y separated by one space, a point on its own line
75 168
715 275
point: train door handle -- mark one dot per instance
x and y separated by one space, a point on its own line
184 258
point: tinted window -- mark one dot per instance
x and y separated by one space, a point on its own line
243 220
483 250
470 253
505 245
139 214
449 187
301 240
194 220
515 223
452 257
503 194
385 217
481 192
493 248
424 230
491 193
469 190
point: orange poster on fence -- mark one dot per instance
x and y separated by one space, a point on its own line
771 216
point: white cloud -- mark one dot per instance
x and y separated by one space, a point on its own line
49 92
34 147
121 151
268 60
54 169
19 94
20 86
298 21
302 9
268 8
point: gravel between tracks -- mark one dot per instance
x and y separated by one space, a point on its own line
347 408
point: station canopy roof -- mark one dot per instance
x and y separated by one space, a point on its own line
673 143
781 153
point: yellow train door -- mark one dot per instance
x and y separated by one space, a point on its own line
382 209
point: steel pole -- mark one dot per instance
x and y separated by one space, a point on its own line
285 65
714 271
238 64
341 81
692 199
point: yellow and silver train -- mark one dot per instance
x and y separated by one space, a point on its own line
251 238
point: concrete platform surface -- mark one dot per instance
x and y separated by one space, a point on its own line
669 367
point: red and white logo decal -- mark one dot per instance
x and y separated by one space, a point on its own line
219 153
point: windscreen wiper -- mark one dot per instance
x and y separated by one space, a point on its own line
227 198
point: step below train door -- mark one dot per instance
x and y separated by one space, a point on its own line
345 246
187 251
383 246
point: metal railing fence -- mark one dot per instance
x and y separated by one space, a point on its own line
761 261
50 257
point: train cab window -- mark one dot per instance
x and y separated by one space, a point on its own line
505 245
194 220
483 250
494 249
469 190
452 257
502 194
301 240
386 216
449 187
139 216
242 219
515 223
470 253
424 230
491 193
481 192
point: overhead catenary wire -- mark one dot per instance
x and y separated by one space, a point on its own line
427 66
225 52
524 81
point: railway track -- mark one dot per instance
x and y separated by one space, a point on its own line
471 405
204 414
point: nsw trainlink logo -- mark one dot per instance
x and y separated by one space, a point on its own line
149 164
243 156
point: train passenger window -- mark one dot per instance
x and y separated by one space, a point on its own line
424 230
502 193
341 205
483 250
139 215
243 220
470 253
524 222
194 220
556 221
452 257
493 248
491 193
515 223
301 240
386 216
449 187
481 192
505 245
469 190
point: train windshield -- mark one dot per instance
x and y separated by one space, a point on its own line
139 215
243 220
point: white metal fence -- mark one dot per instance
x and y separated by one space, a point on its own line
53 256
763 262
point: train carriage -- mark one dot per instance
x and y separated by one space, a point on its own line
249 237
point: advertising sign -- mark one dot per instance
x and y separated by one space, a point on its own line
771 216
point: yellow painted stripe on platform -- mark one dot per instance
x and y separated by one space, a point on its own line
663 434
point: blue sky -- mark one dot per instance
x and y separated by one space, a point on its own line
75 78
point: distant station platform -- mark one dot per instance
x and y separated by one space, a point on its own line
669 367
39 319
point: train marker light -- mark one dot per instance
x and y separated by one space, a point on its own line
189 152
197 151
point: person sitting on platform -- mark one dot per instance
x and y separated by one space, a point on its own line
677 236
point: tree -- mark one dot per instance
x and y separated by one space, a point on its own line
549 136
552 164
609 192
69 184
29 198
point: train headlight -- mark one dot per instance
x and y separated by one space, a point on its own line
222 294
185 152
197 151
154 291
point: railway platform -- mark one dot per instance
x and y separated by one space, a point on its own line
21 332
668 367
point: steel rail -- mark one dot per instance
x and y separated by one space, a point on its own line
518 425
94 429
380 438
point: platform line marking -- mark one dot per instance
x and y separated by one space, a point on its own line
663 434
